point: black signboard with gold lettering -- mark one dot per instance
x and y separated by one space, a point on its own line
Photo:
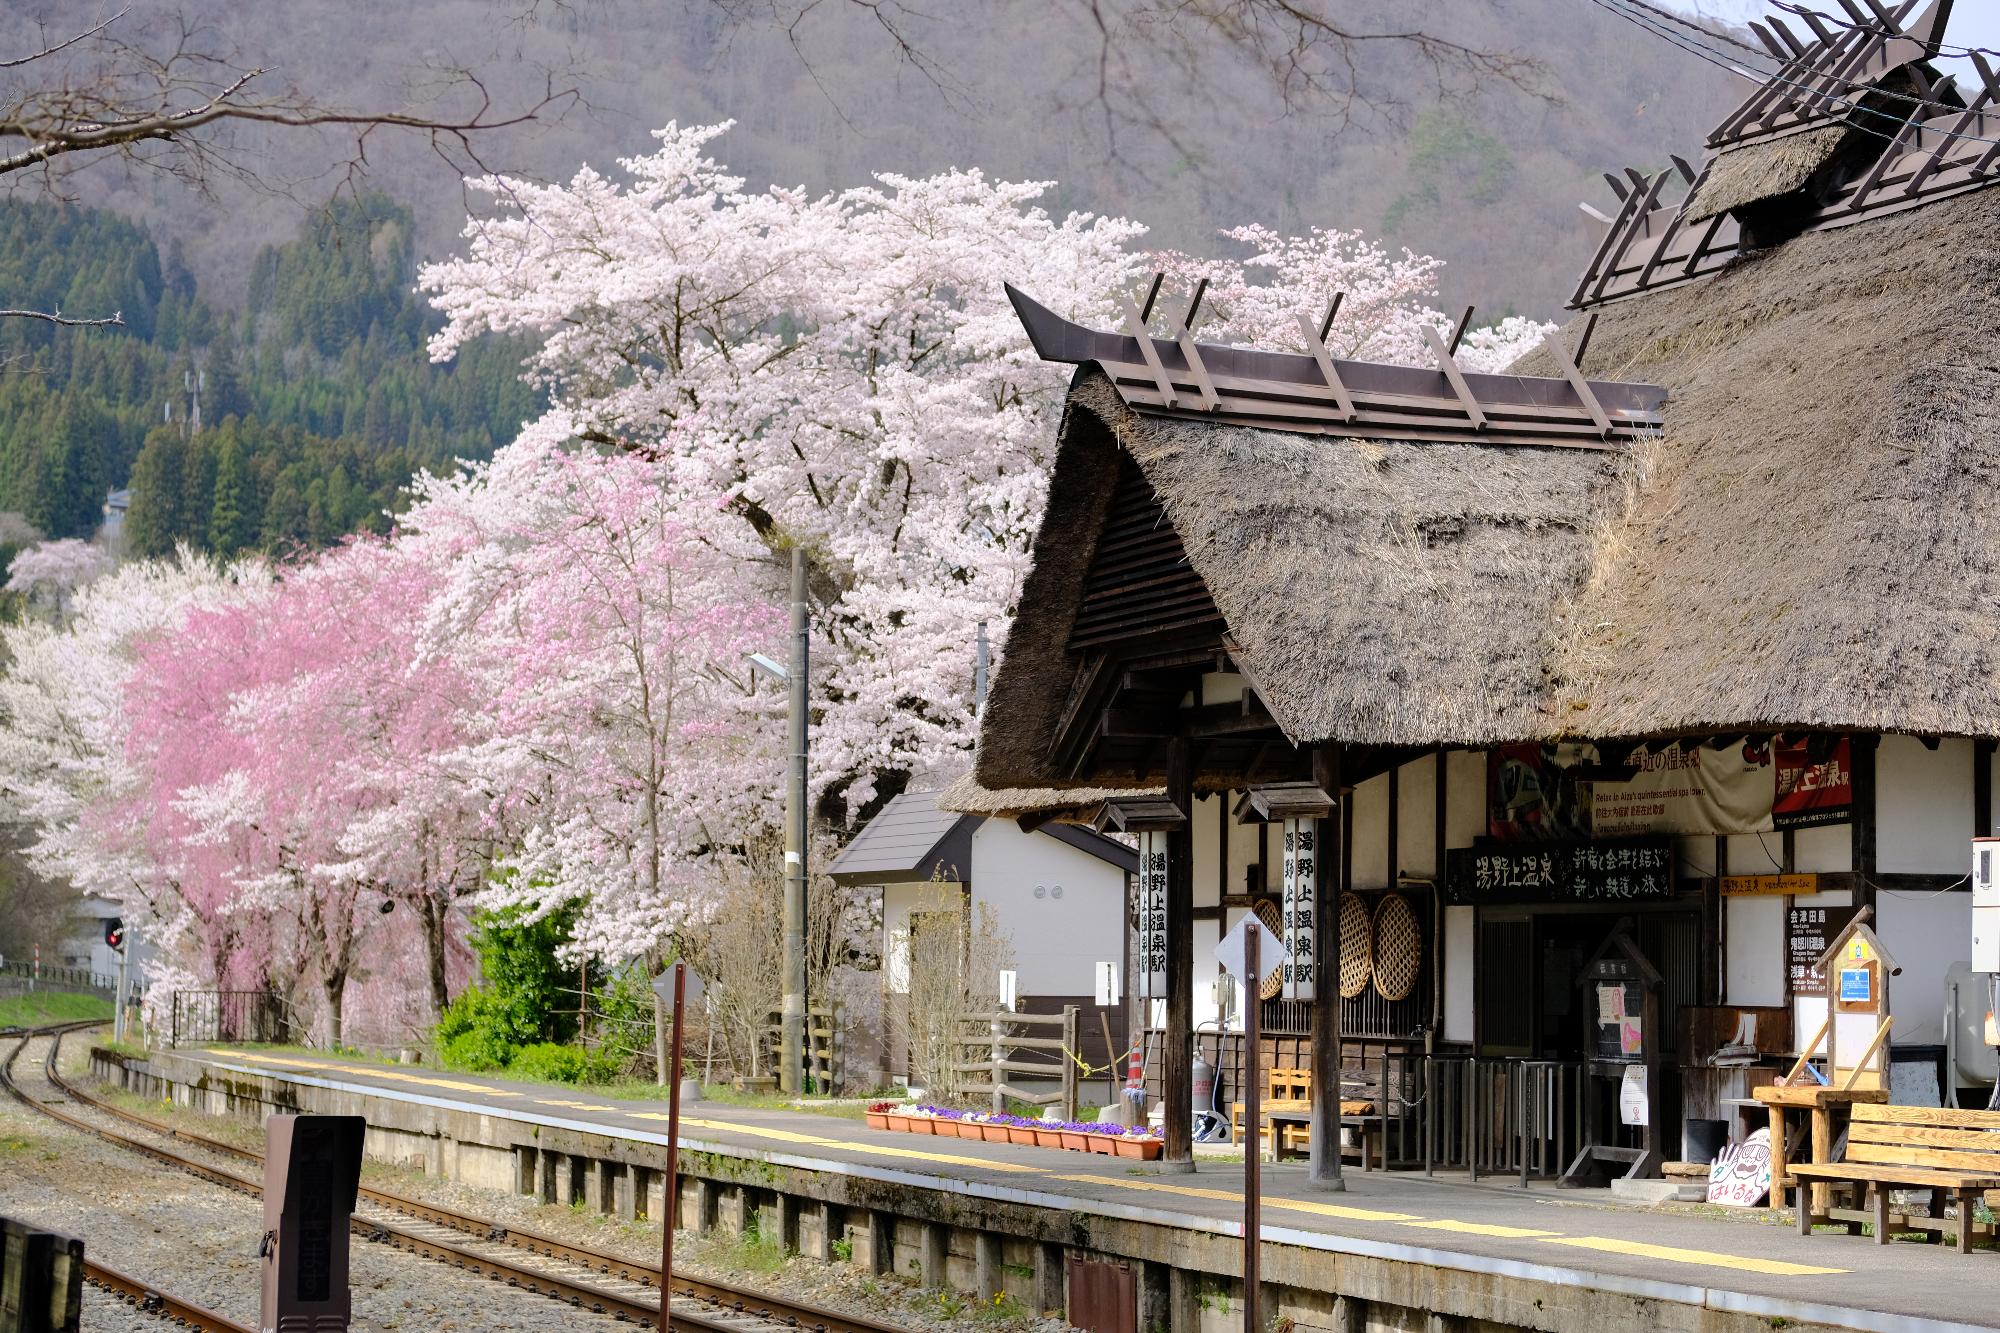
1626 871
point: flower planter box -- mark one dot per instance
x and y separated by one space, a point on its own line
1020 1134
1103 1144
1048 1138
993 1133
953 1129
1129 1145
1075 1140
878 1119
917 1124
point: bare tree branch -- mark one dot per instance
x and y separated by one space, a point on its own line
57 317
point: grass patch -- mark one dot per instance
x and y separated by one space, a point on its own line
22 1011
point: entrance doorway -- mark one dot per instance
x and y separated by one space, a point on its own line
1530 959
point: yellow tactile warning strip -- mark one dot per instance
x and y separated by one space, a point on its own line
394 1075
1605 1244
1674 1254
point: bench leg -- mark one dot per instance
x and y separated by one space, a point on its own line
1965 1201
1804 1193
1880 1197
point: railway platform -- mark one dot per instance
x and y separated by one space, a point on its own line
988 1216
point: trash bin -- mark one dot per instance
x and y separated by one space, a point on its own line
1702 1140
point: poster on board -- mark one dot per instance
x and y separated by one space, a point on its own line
1749 785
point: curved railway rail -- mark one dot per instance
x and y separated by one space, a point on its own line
580 1277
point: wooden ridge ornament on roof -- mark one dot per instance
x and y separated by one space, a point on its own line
1890 135
1316 393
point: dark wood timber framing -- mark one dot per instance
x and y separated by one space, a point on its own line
1862 829
1982 789
1904 137
1329 875
1316 394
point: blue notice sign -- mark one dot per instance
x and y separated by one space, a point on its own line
1854 985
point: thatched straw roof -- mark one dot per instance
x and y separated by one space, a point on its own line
1807 545
1759 171
1064 804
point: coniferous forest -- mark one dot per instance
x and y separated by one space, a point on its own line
286 424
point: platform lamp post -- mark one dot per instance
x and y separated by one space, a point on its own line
672 987
791 1040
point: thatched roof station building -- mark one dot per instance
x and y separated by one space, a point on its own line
1688 622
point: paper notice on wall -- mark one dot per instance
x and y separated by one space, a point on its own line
1610 1003
1632 1096
1631 1037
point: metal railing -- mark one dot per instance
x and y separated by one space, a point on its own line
48 977
227 1016
1501 1116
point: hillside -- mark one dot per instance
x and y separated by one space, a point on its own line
1489 182
316 406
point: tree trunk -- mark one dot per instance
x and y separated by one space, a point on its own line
435 909
660 1037
335 987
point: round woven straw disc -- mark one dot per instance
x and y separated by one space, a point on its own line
1399 948
1274 926
1356 955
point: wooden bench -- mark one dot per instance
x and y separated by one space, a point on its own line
1287 1110
1946 1152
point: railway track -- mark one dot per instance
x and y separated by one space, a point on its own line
538 1264
152 1300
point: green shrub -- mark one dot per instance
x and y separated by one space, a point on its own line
549 1062
546 1062
519 1001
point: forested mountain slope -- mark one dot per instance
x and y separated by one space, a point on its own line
314 407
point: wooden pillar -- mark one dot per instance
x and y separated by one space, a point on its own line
1982 789
1325 1150
1862 749
1177 1039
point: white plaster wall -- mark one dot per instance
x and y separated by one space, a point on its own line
1242 851
1459 943
1416 818
1754 934
1371 834
1923 800
898 901
1207 934
1755 853
1207 849
1695 857
1925 933
1221 687
1826 847
1057 941
1465 797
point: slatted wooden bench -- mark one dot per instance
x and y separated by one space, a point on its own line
1948 1152
1287 1110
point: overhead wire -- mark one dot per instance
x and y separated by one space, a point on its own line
1746 69
1739 68
1946 50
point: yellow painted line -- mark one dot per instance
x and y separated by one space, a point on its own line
394 1075
1710 1258
574 1106
1482 1229
884 1150
1236 1196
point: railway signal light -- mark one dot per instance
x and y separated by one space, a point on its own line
114 932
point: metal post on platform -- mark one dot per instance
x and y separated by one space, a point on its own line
1253 1122
798 823
670 1188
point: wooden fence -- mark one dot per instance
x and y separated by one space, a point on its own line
825 1053
989 1049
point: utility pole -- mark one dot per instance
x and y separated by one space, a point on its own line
792 1036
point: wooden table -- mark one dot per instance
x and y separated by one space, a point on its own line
1819 1105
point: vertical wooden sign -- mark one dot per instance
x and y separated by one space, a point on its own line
1152 961
1301 862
